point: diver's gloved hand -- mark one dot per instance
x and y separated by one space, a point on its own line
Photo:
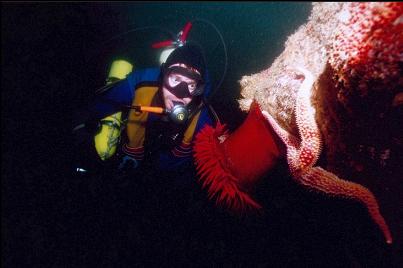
131 158
128 163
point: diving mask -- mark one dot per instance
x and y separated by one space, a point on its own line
183 89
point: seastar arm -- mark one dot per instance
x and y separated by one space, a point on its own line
324 181
310 146
290 141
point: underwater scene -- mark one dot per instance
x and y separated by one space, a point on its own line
202 134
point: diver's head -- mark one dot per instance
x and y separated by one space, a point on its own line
183 74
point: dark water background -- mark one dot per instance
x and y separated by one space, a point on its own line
54 55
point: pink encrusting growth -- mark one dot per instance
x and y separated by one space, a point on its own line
366 55
368 44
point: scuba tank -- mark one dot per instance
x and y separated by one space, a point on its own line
108 136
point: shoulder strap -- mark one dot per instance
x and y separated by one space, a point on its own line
137 120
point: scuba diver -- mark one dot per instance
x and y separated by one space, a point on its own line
162 110
138 154
167 109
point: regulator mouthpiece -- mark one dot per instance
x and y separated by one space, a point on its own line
179 114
